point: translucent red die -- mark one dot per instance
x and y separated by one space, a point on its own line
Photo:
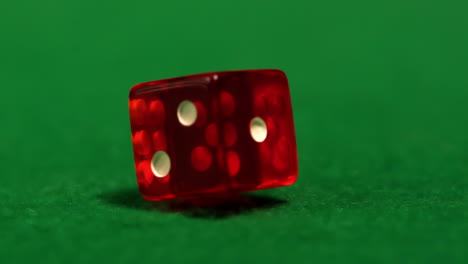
213 133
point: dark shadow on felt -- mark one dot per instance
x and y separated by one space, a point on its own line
213 207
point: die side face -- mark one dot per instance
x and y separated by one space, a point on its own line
148 115
240 138
265 153
163 121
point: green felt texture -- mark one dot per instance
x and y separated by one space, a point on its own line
379 89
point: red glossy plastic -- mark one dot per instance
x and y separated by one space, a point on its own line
219 152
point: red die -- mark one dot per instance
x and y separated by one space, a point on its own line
213 133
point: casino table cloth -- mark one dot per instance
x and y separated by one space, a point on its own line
379 92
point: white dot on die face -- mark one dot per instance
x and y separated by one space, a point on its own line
258 129
187 113
160 164
215 77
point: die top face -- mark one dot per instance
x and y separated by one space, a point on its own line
213 132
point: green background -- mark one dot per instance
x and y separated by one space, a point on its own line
380 92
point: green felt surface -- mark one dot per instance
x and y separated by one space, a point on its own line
380 92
